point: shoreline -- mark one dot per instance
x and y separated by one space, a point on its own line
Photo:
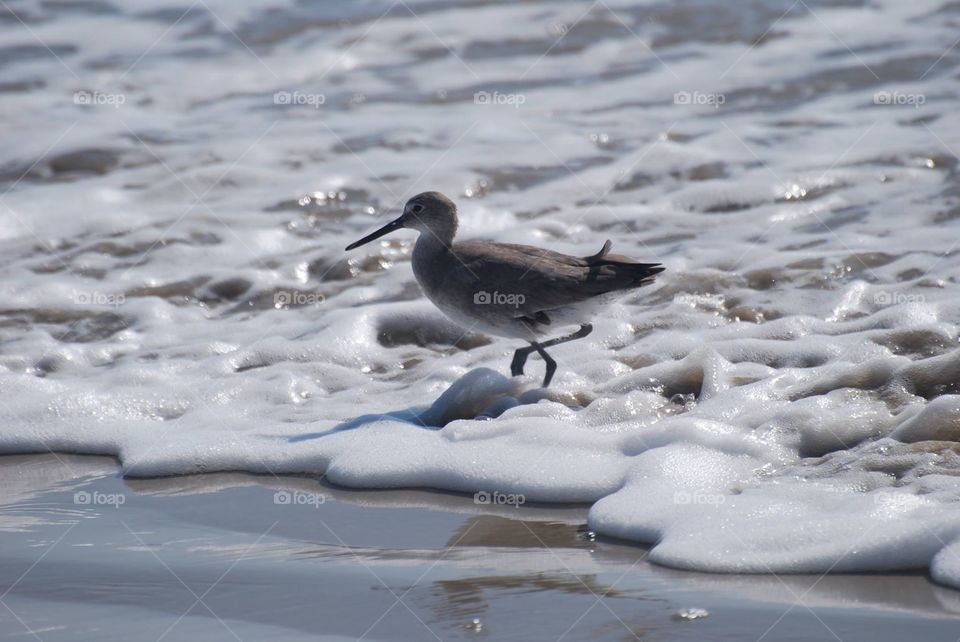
294 566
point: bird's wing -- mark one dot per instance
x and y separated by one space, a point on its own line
547 280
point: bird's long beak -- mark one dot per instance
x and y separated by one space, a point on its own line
386 229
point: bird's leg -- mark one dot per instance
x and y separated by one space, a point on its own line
547 359
519 359
584 330
520 356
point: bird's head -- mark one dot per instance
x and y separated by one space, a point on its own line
428 213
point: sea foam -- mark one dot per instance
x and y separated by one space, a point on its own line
784 398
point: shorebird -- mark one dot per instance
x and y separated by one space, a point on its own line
509 290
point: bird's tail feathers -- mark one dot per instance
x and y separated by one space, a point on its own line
620 271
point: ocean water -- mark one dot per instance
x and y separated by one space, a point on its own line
179 181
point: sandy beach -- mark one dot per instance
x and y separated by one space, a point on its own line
87 555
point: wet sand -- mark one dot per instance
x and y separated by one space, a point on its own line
86 555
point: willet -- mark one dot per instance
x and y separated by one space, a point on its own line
509 290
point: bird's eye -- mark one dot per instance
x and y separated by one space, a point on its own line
416 209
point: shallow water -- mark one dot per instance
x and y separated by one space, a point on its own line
86 555
785 399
